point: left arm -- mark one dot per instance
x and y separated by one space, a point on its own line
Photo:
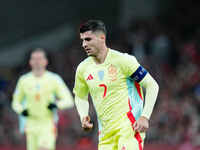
65 99
134 70
152 88
145 80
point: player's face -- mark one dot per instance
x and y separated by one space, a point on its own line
38 61
91 42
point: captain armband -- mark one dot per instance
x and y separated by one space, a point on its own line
139 74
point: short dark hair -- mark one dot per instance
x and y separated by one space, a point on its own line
93 25
39 50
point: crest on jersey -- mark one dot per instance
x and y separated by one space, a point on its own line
37 97
112 72
101 75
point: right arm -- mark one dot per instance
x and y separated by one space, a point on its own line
18 96
82 107
81 92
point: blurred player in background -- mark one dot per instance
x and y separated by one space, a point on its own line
35 98
114 81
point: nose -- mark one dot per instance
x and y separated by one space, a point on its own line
84 45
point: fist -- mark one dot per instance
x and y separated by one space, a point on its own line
25 113
141 125
52 106
86 124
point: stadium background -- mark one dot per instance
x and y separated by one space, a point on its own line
163 35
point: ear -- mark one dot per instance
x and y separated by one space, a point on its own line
47 62
103 37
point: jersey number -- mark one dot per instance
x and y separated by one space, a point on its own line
105 89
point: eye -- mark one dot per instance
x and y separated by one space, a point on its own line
88 39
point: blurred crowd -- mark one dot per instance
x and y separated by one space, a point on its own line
173 59
170 55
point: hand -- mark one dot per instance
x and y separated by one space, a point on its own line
25 113
86 124
52 106
141 125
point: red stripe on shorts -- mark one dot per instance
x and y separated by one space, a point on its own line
132 119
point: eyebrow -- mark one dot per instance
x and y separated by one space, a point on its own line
86 38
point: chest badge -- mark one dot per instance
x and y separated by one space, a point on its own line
112 72
101 75
37 97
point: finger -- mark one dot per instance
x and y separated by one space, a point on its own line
87 118
141 129
84 124
145 129
87 124
90 125
134 125
137 129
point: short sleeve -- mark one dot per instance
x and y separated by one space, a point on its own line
80 88
129 64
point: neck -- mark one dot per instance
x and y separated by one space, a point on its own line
38 73
100 58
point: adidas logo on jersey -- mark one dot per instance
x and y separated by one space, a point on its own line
90 77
